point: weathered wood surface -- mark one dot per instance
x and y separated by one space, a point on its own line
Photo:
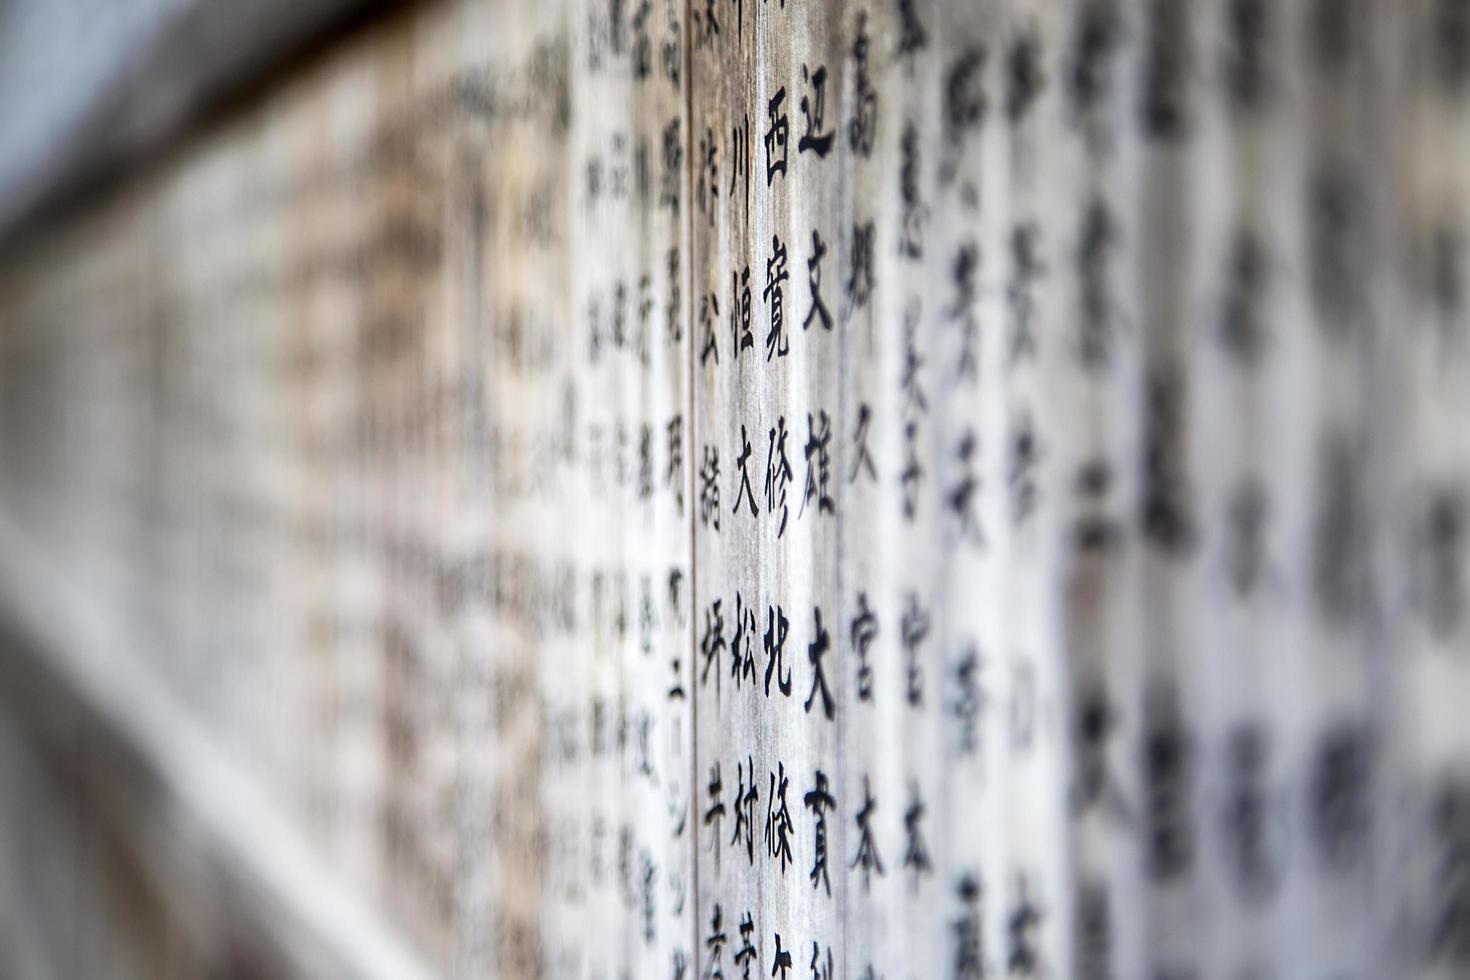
744 488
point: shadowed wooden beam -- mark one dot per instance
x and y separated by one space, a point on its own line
152 74
212 865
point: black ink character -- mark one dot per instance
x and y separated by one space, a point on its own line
969 949
1024 77
1436 561
712 643
912 474
1245 66
1164 92
741 337
716 941
1251 824
913 209
709 315
916 852
965 101
1023 957
1098 32
1025 269
674 472
867 852
740 159
781 962
1167 522
818 464
672 174
649 895
709 488
716 811
961 497
1241 330
776 136
778 819
777 343
862 127
819 800
1021 476
815 651
863 457
968 701
818 309
1341 796
1094 784
913 628
860 276
1094 532
774 643
642 43
915 402
747 953
744 491
745 801
647 620
645 462
778 473
912 37
1449 940
965 266
821 970
813 110
1096 242
864 631
1168 774
709 29
742 656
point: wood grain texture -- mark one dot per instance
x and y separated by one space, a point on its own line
743 488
